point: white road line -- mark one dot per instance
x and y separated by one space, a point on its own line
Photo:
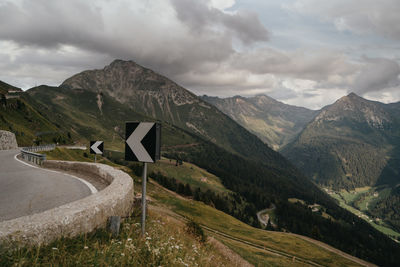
91 187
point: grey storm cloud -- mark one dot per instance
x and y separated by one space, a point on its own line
199 17
49 23
178 37
376 75
201 47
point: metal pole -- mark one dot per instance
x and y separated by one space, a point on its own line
144 178
94 158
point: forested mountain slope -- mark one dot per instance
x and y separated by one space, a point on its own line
351 143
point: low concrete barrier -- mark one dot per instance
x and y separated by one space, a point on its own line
78 217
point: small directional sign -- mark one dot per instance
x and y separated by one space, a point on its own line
96 147
143 141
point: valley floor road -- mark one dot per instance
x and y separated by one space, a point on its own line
26 190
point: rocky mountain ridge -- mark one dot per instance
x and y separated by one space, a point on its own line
156 96
358 109
272 121
131 83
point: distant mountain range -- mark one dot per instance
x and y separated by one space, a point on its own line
352 143
272 121
95 104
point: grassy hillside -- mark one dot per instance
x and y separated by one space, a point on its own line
169 213
29 126
78 112
188 173
166 243
5 87
220 224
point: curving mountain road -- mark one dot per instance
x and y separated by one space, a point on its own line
26 190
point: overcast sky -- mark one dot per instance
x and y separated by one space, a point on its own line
302 52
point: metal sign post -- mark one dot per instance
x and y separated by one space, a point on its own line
144 181
143 144
94 158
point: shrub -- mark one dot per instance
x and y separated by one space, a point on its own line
195 229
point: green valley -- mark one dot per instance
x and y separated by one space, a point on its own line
362 202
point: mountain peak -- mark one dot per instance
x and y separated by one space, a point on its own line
356 108
350 98
129 82
353 95
120 62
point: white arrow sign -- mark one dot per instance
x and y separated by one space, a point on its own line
135 139
95 147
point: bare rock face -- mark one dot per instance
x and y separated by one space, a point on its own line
7 140
142 89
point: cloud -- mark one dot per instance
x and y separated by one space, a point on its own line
221 4
26 66
378 74
171 38
317 65
358 16
49 23
202 19
211 47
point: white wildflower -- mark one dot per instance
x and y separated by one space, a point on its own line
156 251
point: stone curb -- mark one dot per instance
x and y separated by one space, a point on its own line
78 217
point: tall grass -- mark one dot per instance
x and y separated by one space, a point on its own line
165 243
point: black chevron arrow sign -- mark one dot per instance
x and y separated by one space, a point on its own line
142 141
96 147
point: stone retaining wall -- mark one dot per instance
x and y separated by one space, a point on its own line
75 218
7 140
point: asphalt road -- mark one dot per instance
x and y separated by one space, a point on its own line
25 190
